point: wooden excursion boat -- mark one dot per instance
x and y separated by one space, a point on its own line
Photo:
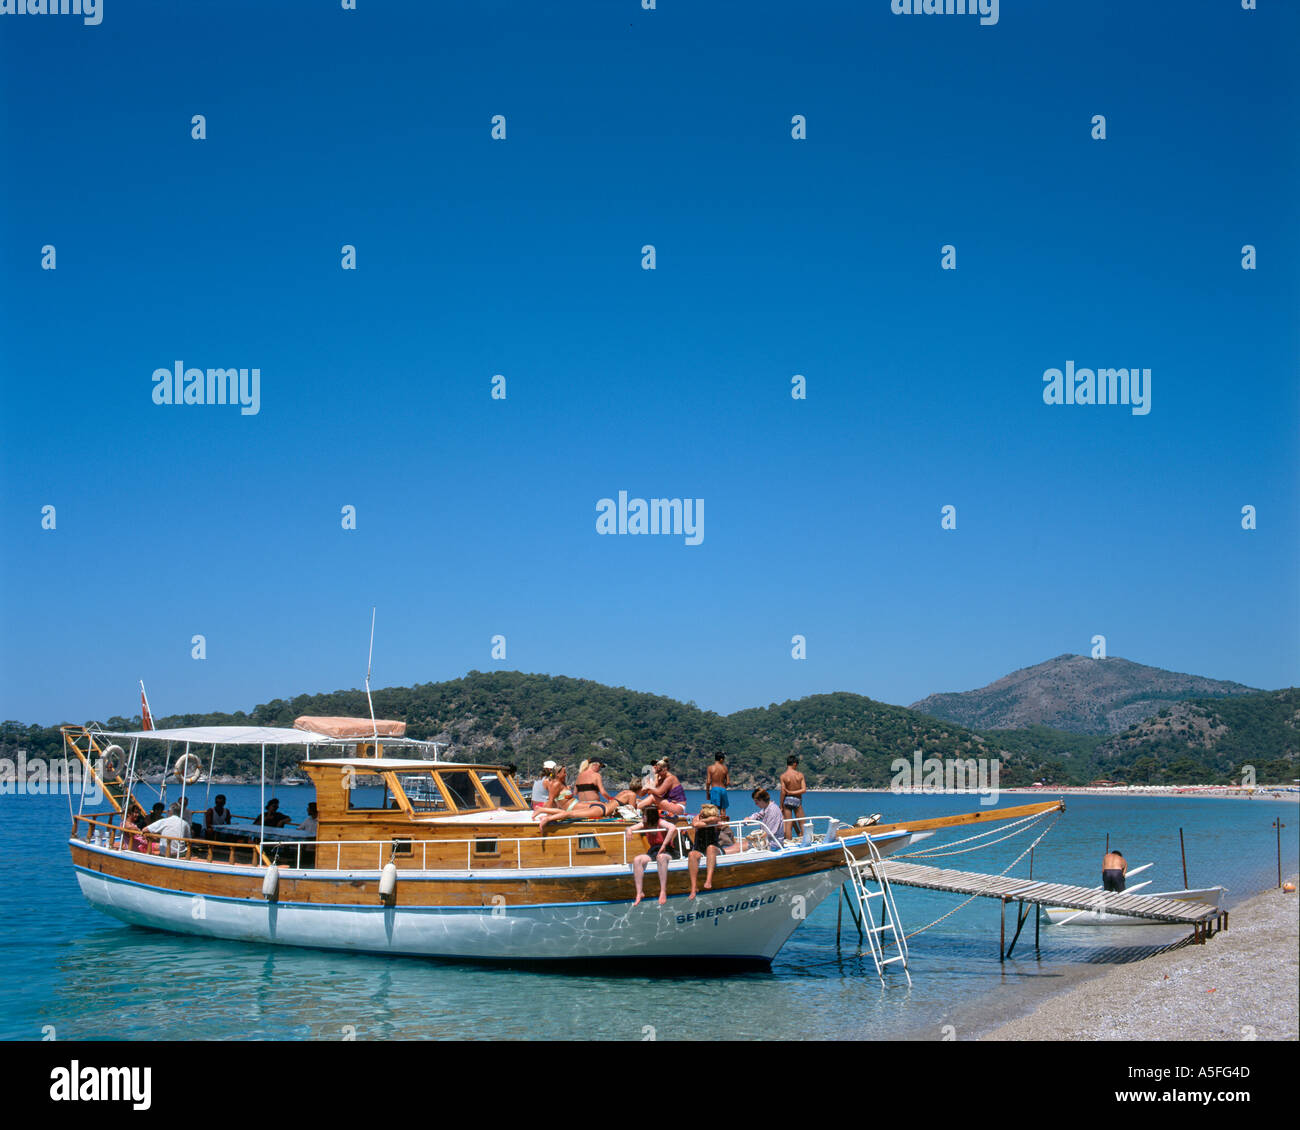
418 856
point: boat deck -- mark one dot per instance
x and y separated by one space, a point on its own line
1011 889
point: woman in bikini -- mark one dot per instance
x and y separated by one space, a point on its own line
667 794
659 839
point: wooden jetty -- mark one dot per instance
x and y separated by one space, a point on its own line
1204 919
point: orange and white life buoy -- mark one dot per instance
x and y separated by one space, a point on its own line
188 768
111 760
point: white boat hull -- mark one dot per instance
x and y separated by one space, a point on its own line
1065 916
747 924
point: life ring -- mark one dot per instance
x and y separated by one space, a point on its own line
188 768
110 761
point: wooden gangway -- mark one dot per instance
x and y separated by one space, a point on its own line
1007 888
1010 889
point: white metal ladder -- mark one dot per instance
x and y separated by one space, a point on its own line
864 874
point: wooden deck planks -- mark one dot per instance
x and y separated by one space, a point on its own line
1051 894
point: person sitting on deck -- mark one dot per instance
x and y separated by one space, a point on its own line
589 787
541 789
1114 867
131 838
272 817
666 793
308 824
217 814
704 843
769 816
659 839
172 830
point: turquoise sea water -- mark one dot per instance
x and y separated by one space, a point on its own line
74 973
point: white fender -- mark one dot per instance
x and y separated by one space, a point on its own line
271 884
388 881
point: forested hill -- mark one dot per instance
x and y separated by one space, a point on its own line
842 739
1075 693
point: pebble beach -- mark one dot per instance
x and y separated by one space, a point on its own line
1241 985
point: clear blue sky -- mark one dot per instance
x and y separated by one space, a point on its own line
476 517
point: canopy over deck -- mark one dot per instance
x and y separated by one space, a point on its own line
251 735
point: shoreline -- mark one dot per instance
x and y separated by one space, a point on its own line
1240 985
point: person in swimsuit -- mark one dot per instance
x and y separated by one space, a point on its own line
579 810
589 786
704 843
717 780
1114 867
667 793
793 786
659 839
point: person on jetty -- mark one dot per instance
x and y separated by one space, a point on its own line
768 815
793 786
1114 867
717 780
659 839
705 829
666 793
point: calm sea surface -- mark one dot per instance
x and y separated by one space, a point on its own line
74 973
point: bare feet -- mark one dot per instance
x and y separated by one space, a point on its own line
708 886
693 891
663 897
639 897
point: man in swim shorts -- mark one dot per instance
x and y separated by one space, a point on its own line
793 786
717 780
1113 869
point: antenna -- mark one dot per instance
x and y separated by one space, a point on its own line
369 660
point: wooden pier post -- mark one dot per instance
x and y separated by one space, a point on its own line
1002 940
1182 847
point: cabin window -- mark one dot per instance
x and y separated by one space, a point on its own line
462 790
367 791
496 789
401 847
423 793
486 847
588 843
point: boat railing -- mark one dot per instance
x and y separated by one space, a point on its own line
104 833
316 854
